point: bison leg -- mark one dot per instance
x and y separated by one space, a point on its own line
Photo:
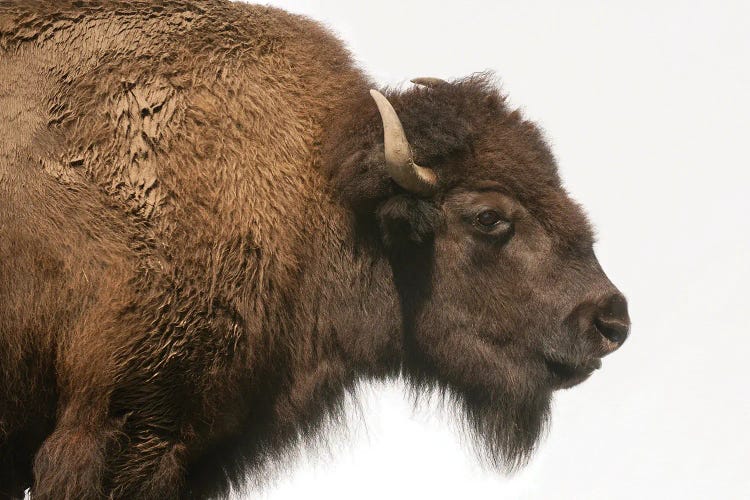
108 461
71 463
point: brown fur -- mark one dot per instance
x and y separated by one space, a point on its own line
200 250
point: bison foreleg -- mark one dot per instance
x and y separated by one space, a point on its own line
71 464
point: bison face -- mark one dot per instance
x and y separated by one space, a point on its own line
529 310
503 299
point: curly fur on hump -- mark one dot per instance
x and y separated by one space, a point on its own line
201 252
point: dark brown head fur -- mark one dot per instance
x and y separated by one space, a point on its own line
490 317
201 250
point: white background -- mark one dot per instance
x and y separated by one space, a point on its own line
646 105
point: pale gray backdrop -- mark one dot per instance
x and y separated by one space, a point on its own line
647 107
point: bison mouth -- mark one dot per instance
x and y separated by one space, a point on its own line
566 374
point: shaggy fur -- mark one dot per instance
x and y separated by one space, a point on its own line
201 251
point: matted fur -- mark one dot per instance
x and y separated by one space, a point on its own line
201 252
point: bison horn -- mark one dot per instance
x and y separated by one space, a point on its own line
429 81
399 161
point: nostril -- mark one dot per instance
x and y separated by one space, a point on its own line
613 329
612 319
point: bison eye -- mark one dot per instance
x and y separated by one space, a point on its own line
488 218
492 223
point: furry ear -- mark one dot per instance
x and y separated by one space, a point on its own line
404 218
362 182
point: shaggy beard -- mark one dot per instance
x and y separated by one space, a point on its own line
504 429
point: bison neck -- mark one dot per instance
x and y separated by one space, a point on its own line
342 325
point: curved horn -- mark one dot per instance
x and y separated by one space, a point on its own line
398 158
429 81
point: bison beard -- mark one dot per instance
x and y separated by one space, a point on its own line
503 429
504 421
212 228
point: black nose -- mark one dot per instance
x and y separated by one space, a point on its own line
612 319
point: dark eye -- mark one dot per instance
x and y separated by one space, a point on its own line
488 218
493 223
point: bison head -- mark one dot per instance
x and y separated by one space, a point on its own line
502 298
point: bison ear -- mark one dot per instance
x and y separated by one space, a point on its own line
406 219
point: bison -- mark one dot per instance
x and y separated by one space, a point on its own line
211 229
